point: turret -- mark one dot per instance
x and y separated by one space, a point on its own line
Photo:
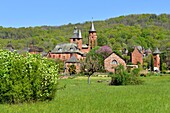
77 38
156 58
92 36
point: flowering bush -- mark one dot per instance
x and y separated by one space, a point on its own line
105 51
25 79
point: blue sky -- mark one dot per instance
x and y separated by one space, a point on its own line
25 13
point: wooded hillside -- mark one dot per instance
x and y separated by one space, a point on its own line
147 30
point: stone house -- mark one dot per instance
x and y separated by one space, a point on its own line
72 61
112 61
137 56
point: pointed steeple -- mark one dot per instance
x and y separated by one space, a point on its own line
92 29
156 51
75 32
79 34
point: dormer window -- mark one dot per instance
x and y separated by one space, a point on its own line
59 49
71 49
114 62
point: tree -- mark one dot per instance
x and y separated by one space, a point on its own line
92 63
89 66
104 51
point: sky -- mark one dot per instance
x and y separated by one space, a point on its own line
30 13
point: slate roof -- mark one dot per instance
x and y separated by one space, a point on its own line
36 49
79 34
73 59
84 46
76 33
156 51
66 48
9 47
92 29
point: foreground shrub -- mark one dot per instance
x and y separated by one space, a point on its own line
122 77
25 79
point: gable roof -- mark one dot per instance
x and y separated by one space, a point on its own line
73 59
116 55
138 49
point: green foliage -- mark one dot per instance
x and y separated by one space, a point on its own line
79 97
72 69
96 58
27 78
135 72
146 30
152 63
122 77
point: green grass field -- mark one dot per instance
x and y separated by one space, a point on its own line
79 97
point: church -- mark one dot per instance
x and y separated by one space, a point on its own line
71 53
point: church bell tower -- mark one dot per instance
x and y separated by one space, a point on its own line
92 37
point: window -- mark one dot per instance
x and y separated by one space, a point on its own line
71 49
63 57
114 62
60 49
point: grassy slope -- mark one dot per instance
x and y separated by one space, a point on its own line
79 97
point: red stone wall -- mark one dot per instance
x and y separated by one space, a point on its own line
78 42
64 57
108 62
85 50
92 40
136 57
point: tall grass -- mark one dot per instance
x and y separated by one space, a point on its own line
79 97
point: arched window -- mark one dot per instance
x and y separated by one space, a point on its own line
114 62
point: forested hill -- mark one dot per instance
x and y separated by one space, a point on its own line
147 30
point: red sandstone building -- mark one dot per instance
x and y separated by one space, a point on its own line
75 48
112 61
137 56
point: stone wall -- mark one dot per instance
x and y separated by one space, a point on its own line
110 62
136 57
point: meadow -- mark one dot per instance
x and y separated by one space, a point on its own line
78 97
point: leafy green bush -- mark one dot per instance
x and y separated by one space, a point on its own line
122 77
27 78
72 69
